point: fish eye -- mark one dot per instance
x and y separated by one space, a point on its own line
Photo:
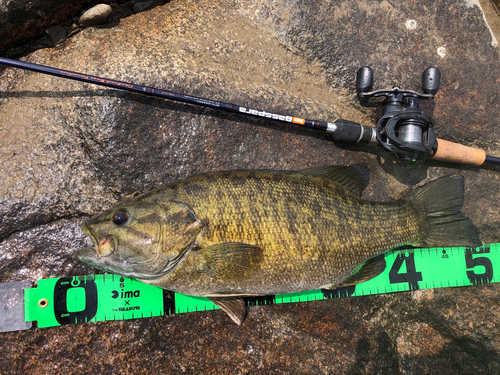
120 218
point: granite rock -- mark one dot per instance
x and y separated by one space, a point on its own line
68 150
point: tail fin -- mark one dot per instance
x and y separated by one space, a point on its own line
442 200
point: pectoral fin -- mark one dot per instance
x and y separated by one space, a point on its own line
230 260
232 306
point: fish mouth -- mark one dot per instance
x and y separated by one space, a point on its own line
88 255
98 256
90 234
103 246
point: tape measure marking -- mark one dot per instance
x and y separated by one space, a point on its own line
92 298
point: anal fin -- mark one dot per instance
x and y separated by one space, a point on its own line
369 269
232 306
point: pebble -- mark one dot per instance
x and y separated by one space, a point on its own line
140 6
97 15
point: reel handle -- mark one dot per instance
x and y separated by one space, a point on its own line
364 79
431 77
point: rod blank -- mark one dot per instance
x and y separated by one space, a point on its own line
343 130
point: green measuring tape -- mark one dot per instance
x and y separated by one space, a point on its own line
81 299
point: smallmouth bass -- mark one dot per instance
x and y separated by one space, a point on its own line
224 235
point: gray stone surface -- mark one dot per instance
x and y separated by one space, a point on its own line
68 150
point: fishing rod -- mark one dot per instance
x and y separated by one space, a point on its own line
404 129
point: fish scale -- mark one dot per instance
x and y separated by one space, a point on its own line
239 233
292 258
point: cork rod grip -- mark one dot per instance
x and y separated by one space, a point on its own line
457 153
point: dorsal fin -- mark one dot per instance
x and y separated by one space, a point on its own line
354 179
127 197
